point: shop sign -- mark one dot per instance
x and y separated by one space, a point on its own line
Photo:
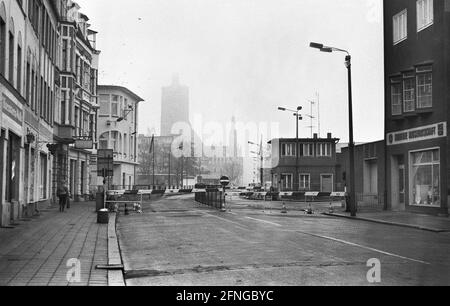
434 131
12 110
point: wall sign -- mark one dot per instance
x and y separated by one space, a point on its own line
434 131
12 110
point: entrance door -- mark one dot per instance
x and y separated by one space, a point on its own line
398 182
326 183
401 185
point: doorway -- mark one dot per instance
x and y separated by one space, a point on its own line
326 183
398 177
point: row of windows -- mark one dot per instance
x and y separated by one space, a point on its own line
307 150
412 91
424 20
116 106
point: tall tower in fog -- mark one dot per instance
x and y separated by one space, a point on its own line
175 106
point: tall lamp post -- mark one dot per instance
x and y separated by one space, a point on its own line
298 117
348 64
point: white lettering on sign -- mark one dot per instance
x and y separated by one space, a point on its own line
437 130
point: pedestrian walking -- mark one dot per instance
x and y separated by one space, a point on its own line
63 195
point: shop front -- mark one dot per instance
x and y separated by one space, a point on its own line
416 168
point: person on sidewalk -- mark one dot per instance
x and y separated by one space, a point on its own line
63 195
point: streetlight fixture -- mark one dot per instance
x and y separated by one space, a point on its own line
298 118
348 65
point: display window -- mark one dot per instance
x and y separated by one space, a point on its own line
425 178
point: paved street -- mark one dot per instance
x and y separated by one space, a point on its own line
178 242
35 253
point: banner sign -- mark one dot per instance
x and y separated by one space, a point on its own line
434 131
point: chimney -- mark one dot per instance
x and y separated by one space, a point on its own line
329 135
316 136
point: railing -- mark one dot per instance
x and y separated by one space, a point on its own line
210 198
370 201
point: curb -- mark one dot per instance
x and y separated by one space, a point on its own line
434 230
115 277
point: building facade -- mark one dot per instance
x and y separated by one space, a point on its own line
370 168
417 71
316 165
29 89
117 129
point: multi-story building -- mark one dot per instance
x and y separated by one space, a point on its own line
29 87
316 164
76 107
417 70
117 129
174 107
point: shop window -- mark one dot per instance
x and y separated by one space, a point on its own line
425 178
43 177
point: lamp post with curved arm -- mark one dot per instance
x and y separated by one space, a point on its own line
348 65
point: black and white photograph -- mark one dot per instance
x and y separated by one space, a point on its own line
224 148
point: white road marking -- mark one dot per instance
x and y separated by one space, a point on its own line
229 221
364 247
264 221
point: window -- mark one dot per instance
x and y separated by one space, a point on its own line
19 69
115 106
286 182
425 178
396 97
11 58
103 141
2 46
288 149
307 150
409 97
63 106
324 149
104 105
424 87
305 182
424 14
400 26
43 177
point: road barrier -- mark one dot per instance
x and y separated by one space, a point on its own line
212 198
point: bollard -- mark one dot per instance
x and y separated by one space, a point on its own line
310 210
331 210
284 209
126 210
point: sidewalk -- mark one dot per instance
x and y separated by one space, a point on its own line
404 219
35 253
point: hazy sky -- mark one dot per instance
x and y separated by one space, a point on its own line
247 57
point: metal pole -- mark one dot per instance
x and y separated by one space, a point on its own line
296 179
169 168
153 164
353 208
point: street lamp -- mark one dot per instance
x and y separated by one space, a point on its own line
348 65
298 118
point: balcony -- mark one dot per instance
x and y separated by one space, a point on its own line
64 132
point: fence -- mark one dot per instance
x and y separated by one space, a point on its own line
211 198
370 201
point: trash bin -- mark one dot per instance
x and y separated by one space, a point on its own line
103 216
99 201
